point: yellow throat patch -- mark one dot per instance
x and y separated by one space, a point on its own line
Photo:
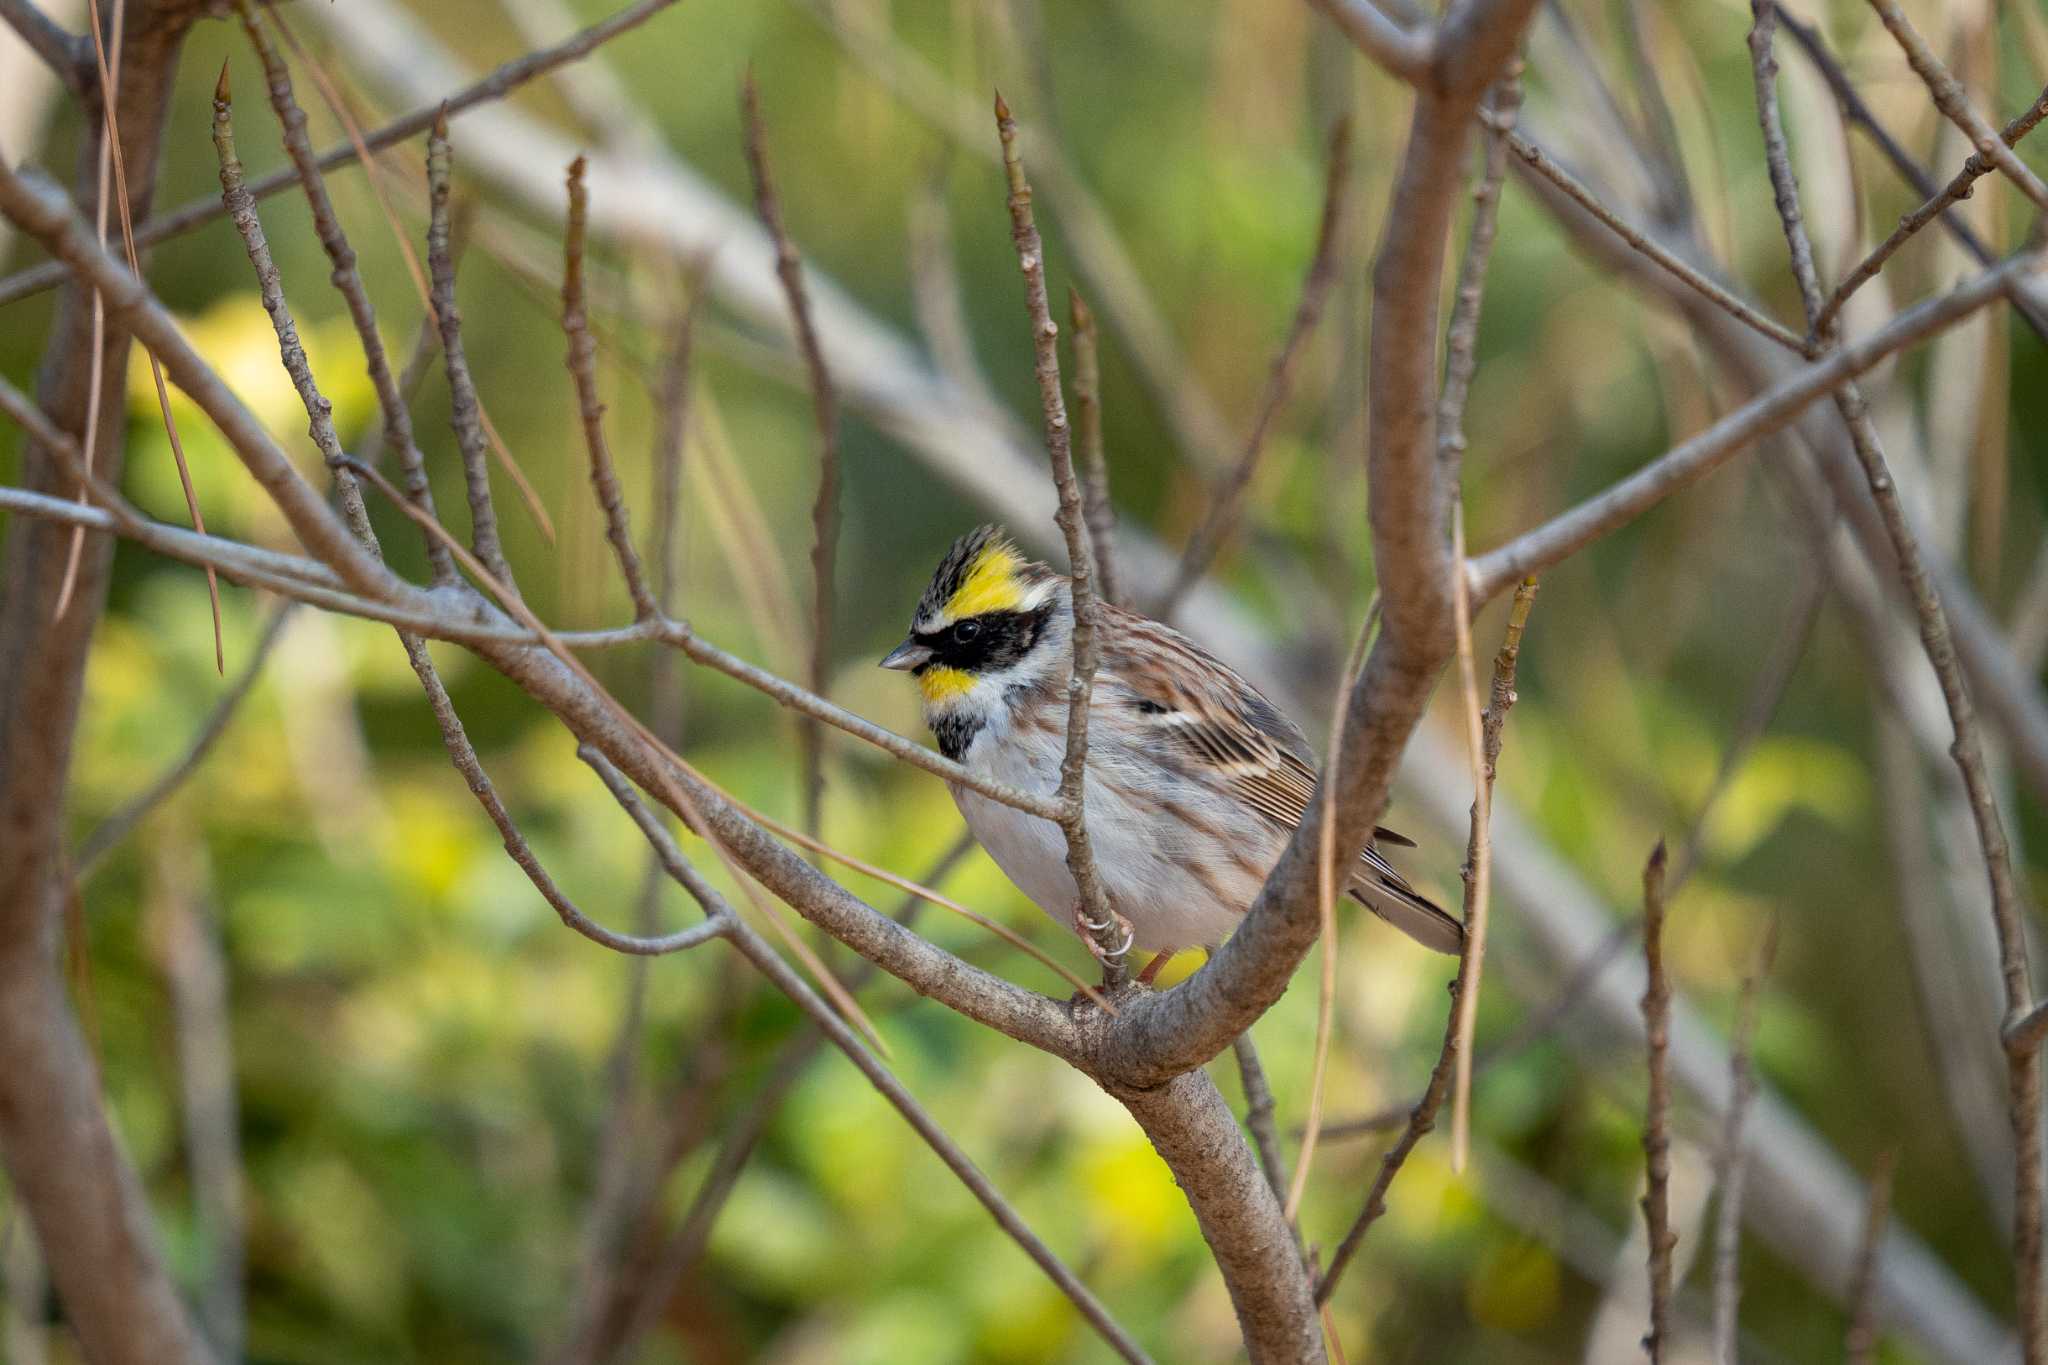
991 584
941 685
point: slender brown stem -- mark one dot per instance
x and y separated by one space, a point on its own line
495 86
1547 166
1096 919
1935 206
825 411
1422 1115
2009 909
1325 268
1732 1160
1859 1346
1656 1126
582 363
465 413
1094 463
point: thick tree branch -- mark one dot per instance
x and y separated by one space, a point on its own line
1410 503
64 1164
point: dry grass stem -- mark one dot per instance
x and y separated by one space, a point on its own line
1326 916
110 152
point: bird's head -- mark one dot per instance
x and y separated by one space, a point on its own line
982 619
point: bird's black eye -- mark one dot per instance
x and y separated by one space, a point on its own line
966 630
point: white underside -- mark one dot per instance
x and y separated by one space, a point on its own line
1144 860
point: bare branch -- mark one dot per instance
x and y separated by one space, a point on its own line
108 834
465 413
347 280
1324 269
1547 166
2009 910
1258 1113
270 284
1409 508
825 411
1656 1127
1857 111
1405 53
1686 463
1936 206
1109 940
1094 463
1954 103
1860 1345
1457 1027
495 86
1732 1160
785 979
64 53
582 362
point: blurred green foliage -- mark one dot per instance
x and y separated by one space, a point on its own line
421 1049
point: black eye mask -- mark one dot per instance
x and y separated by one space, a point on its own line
986 643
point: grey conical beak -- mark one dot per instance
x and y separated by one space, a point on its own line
908 655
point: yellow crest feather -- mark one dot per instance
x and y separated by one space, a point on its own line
991 584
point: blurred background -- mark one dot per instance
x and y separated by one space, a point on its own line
422 1059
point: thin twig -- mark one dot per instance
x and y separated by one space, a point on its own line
1656 1126
1859 1346
1094 462
463 755
1258 1113
375 174
1954 103
582 363
270 286
495 86
1772 682
1545 165
743 1135
110 81
1326 913
2009 910
465 413
1935 206
1770 411
109 832
1482 747
672 791
784 978
1422 1116
1325 268
345 277
1461 337
1734 1165
825 411
1093 914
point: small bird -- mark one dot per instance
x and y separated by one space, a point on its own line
1194 783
